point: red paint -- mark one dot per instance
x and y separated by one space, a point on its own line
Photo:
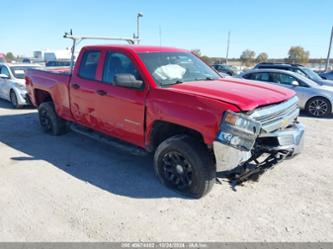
129 114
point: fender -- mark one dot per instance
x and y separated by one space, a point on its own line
197 113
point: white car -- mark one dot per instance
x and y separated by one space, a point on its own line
12 83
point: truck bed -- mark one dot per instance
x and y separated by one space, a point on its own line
57 70
44 83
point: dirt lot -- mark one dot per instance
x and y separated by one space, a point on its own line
71 188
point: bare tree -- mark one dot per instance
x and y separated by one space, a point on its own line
10 57
297 54
247 57
205 58
197 52
262 57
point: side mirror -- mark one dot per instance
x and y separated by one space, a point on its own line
295 83
4 76
127 80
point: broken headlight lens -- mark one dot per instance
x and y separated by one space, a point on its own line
238 130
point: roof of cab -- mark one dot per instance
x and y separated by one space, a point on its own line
139 48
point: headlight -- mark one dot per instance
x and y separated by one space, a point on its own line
238 130
19 86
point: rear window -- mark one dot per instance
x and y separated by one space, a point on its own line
88 66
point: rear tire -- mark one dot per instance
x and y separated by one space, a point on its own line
13 100
50 122
184 164
318 107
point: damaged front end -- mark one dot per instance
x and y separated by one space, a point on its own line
272 132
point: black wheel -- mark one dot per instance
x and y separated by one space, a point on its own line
185 165
13 100
318 107
49 120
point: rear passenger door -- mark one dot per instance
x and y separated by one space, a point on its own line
83 88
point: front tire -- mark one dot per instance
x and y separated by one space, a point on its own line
184 164
318 107
49 120
13 100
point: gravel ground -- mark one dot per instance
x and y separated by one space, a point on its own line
71 188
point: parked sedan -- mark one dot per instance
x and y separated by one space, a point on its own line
297 68
12 83
227 69
327 75
315 98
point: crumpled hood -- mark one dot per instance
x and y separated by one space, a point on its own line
246 95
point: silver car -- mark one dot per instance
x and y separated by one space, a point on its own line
327 75
12 83
315 98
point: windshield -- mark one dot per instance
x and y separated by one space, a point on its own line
19 71
168 68
312 75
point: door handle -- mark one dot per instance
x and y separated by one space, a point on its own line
101 92
75 86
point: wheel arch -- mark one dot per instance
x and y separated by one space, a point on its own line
42 96
318 96
162 130
12 89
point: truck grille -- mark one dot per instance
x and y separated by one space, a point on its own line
277 116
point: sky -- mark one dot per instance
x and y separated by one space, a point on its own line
270 26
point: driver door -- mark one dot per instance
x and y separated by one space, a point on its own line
121 110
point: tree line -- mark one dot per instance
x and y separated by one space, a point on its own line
10 57
248 57
296 54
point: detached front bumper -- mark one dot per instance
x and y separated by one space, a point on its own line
288 140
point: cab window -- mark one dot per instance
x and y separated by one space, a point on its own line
88 66
118 63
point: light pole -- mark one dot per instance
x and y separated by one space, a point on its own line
329 52
140 14
228 43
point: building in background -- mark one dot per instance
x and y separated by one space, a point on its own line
47 55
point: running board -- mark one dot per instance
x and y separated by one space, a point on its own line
132 149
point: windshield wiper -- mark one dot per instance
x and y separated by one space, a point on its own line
207 78
175 83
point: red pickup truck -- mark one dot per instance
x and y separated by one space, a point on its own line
167 101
